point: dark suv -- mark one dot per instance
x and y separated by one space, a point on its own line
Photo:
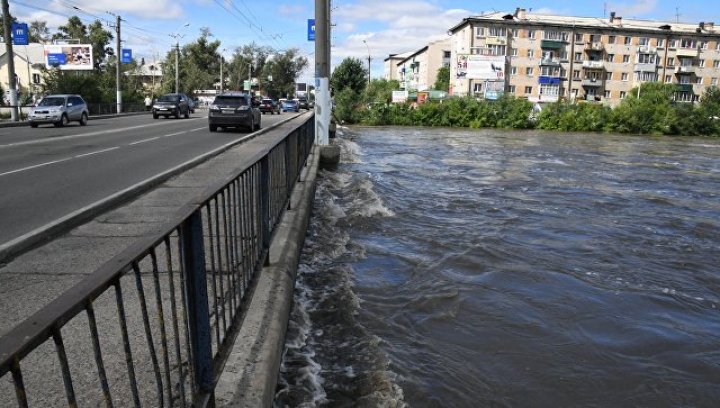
172 105
269 105
234 109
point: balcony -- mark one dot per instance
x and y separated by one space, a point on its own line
554 62
592 82
646 49
594 46
685 69
645 68
552 44
495 41
593 64
549 80
687 52
684 88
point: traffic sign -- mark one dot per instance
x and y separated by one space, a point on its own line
311 29
20 34
126 56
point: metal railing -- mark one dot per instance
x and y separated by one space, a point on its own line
163 314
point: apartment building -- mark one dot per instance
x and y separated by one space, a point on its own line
545 58
390 70
418 71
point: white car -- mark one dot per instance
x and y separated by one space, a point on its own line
59 110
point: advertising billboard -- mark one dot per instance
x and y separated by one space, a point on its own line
69 57
489 67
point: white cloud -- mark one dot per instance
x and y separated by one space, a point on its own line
635 8
295 10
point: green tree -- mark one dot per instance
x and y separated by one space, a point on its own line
652 113
38 31
442 82
283 68
350 74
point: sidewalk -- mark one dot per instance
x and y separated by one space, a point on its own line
10 123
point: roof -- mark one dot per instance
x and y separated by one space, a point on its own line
33 53
617 23
144 70
423 49
400 56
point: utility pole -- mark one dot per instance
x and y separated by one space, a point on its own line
221 73
368 50
119 63
177 66
12 83
322 72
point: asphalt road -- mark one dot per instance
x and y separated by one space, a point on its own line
48 172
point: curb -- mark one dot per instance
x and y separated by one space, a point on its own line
45 233
108 116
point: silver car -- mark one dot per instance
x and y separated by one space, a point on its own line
59 110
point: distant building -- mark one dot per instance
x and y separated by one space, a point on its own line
390 67
547 57
418 71
150 76
29 59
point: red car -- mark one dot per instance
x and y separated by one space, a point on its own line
269 105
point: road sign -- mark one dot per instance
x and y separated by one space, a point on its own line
20 34
311 29
126 56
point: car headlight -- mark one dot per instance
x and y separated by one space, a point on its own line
244 107
214 107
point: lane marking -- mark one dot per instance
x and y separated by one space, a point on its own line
97 152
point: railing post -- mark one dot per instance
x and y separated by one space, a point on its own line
265 205
193 259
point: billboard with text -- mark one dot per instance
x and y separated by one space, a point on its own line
68 57
489 67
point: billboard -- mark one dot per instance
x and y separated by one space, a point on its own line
68 57
399 96
489 67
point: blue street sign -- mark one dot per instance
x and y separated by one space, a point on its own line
20 34
311 29
55 60
126 56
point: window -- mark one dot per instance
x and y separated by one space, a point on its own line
477 88
530 53
687 43
643 41
668 79
446 54
623 94
624 76
704 45
578 37
610 57
479 32
528 89
547 90
496 32
628 40
555 35
496 49
514 32
670 61
608 76
514 52
576 74
512 89
713 81
626 58
611 39
607 94
645 76
513 70
661 42
36 78
594 38
563 55
673 43
529 71
702 63
646 58
551 71
716 64
578 56
699 81
531 33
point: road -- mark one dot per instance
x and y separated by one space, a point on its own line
47 172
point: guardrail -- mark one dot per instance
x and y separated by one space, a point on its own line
166 310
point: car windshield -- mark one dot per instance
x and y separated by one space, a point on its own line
230 101
267 101
168 98
56 101
289 102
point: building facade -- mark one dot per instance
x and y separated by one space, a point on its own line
418 71
29 61
390 70
545 58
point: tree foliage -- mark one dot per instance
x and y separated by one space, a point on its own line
442 81
349 74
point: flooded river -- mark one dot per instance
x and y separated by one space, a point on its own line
486 268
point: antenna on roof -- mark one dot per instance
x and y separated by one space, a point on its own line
677 14
604 9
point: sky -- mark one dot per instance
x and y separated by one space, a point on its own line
376 28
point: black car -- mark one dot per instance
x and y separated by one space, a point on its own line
172 105
269 105
234 109
303 103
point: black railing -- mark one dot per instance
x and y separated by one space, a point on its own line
161 317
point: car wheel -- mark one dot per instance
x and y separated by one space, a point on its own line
257 125
63 121
155 116
187 114
213 128
252 124
83 119
33 125
177 115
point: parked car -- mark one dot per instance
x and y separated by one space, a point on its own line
234 109
59 110
174 104
303 103
290 105
269 105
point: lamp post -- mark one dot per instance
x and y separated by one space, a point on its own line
177 38
222 62
369 59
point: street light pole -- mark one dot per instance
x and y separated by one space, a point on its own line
369 59
177 38
12 82
118 55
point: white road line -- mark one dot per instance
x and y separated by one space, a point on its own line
34 166
144 141
97 152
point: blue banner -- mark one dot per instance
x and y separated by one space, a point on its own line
20 34
549 80
126 56
311 29
56 59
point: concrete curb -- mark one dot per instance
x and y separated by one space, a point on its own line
250 375
94 117
45 233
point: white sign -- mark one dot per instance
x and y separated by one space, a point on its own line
490 67
399 96
69 57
